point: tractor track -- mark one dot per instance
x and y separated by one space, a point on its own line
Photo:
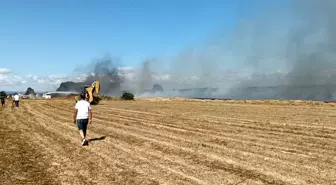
171 142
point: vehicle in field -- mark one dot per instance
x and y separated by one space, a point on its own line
92 93
46 96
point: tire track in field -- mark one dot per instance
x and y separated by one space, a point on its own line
84 170
170 161
204 114
126 139
172 135
288 152
45 139
63 128
185 177
274 135
239 110
247 125
19 158
233 137
281 141
225 151
152 125
133 132
202 158
133 116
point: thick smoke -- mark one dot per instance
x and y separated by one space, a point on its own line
307 48
106 70
288 51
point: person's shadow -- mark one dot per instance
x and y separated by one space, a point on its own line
97 139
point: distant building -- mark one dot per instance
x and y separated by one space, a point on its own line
46 96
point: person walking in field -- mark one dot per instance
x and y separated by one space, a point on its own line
3 100
82 117
16 100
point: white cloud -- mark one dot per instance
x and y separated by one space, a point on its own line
4 71
10 80
3 80
126 69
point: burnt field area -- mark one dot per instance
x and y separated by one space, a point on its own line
170 141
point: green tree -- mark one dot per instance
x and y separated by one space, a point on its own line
127 96
3 94
30 91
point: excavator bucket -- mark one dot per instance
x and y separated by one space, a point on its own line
96 88
92 93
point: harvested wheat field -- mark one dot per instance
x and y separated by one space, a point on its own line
170 141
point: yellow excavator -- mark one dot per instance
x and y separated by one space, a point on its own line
92 93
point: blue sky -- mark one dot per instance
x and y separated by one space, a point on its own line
53 37
48 40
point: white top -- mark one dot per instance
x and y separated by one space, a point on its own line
16 97
83 108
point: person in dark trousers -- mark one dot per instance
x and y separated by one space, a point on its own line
3 100
16 100
82 117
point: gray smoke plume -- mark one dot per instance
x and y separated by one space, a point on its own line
145 78
307 48
285 52
106 70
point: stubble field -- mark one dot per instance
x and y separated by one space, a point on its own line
169 142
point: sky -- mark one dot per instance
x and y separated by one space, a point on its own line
47 40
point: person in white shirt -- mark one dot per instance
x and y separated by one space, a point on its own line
83 116
16 100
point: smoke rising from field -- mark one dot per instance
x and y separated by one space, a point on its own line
307 49
145 77
106 70
282 53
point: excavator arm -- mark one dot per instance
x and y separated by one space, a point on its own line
96 88
93 92
89 94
